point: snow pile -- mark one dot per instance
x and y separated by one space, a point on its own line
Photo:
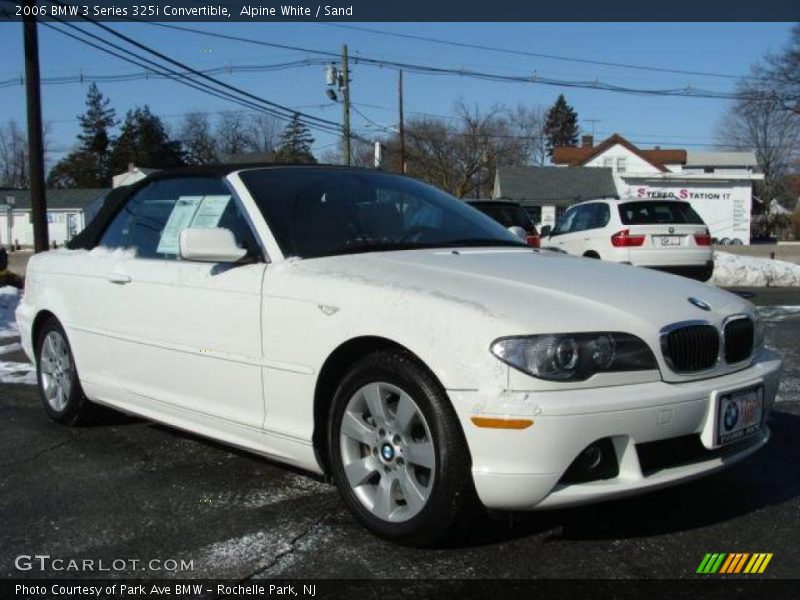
17 372
100 252
732 270
9 298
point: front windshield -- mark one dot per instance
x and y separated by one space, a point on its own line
326 211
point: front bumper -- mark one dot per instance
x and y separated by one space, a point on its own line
522 469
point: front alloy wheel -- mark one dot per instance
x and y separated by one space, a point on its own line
397 452
387 451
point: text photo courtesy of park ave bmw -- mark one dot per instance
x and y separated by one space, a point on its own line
445 299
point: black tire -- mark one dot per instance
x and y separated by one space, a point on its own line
76 409
452 492
591 254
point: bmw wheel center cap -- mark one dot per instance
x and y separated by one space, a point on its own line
387 452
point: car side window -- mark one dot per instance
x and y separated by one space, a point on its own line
600 215
152 220
564 224
583 218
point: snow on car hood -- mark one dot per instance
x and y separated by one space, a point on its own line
526 287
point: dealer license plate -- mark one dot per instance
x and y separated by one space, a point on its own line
739 414
668 240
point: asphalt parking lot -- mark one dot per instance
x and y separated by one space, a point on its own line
130 489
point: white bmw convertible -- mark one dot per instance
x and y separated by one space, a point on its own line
368 327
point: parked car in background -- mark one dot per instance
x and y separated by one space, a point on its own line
667 235
509 214
375 330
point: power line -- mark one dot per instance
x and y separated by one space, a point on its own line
125 77
686 91
274 105
146 63
171 74
311 121
526 53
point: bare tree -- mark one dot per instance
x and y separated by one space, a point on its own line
232 133
13 156
759 122
462 156
528 124
264 133
783 72
198 139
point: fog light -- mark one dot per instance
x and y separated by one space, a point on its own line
597 461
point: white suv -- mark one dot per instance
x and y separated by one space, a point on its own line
661 234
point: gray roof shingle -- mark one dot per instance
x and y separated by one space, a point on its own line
558 186
57 199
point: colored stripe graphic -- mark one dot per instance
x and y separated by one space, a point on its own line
711 563
734 563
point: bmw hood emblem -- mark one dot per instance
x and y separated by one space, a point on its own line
699 303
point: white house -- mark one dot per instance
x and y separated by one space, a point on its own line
66 214
719 185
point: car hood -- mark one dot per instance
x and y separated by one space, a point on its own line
534 289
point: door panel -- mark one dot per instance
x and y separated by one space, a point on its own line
190 336
187 334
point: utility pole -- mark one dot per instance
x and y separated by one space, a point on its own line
401 125
346 106
33 92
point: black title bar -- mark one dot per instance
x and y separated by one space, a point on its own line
402 10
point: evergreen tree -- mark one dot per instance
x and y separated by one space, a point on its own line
88 165
561 127
144 141
295 144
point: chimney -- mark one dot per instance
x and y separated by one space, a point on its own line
587 141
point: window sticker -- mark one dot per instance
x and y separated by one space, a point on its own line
197 212
210 212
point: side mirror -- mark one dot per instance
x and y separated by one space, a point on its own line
519 232
210 245
545 232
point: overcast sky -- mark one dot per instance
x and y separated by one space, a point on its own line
724 49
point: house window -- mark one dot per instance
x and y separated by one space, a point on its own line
621 164
608 162
708 170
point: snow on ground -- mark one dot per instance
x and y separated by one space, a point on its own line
17 372
732 270
9 298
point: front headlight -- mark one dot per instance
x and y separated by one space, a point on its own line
574 356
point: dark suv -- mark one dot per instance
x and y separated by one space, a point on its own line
509 214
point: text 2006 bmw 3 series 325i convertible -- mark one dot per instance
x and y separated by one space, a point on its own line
369 327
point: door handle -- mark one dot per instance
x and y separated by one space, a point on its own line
119 278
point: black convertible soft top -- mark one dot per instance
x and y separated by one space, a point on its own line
118 197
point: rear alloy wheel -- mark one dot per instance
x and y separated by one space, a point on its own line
59 387
398 455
